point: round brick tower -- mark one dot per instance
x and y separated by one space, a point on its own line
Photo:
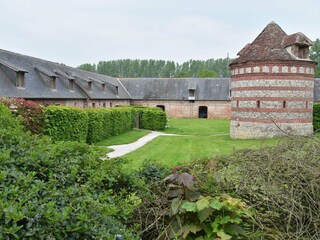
272 86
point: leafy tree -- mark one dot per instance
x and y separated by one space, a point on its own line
88 67
205 72
315 55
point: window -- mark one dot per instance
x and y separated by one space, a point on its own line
237 103
90 86
104 105
110 104
284 104
20 82
103 87
191 92
258 104
117 90
71 84
307 105
53 83
93 105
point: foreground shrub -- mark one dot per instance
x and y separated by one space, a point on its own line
178 209
66 123
59 191
282 183
31 112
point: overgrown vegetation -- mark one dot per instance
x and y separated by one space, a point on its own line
282 183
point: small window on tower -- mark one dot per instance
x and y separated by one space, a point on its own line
258 104
284 104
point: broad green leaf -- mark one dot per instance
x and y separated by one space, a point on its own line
202 204
216 204
189 206
234 229
186 229
223 235
204 214
175 206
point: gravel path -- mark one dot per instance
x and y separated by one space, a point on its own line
120 150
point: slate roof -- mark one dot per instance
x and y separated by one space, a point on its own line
271 44
177 88
37 80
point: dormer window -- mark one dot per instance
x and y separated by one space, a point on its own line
191 94
90 86
20 80
117 90
53 83
71 84
103 87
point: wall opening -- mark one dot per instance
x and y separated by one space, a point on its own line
162 107
284 104
258 104
203 112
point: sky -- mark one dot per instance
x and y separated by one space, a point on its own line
75 32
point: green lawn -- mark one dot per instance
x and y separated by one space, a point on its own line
198 126
173 150
124 138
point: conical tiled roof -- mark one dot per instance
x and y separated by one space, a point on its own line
271 44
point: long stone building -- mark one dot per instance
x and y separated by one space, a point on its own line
272 81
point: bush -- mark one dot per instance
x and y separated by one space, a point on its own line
178 208
104 123
282 183
66 123
59 191
151 118
316 117
31 112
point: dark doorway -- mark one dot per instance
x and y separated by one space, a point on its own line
203 112
162 107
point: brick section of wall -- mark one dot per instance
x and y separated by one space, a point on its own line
189 109
266 94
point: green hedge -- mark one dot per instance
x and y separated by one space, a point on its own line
95 124
151 118
316 117
106 122
66 123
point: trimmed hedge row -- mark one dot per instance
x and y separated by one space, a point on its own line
95 124
316 117
151 118
66 123
104 123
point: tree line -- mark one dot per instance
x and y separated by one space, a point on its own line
160 68
167 69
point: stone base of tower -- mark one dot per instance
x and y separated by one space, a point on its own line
246 130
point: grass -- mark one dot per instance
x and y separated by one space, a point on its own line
198 126
172 151
124 138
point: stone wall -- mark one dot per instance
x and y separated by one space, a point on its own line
190 109
271 99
